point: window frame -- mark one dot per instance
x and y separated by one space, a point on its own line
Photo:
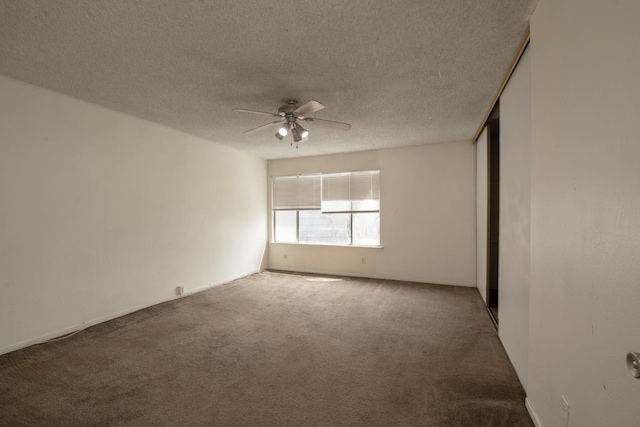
345 212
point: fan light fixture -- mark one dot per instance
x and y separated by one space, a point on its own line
303 132
296 134
289 116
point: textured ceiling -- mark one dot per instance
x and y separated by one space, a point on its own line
402 73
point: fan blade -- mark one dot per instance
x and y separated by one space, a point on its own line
259 128
264 113
308 108
328 123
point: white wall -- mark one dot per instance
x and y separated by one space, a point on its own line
102 213
585 211
515 216
427 218
482 176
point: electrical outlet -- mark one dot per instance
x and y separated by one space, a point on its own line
180 290
284 256
364 260
565 411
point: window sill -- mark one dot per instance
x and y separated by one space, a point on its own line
329 245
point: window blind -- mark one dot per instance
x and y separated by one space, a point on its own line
336 193
365 191
296 192
351 192
309 191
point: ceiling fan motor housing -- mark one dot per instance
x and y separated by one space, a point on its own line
288 107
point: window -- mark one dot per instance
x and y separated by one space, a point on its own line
331 209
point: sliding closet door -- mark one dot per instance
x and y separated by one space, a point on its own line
515 216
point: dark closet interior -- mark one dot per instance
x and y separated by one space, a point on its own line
493 207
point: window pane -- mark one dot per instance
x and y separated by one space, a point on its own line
366 229
316 227
284 230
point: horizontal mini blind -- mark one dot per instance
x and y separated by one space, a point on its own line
336 193
365 191
285 192
351 192
309 191
296 192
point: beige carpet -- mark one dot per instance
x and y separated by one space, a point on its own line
276 350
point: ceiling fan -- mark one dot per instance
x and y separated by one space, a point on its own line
289 117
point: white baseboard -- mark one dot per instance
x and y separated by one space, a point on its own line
86 324
532 413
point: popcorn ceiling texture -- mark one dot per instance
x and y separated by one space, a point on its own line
402 73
